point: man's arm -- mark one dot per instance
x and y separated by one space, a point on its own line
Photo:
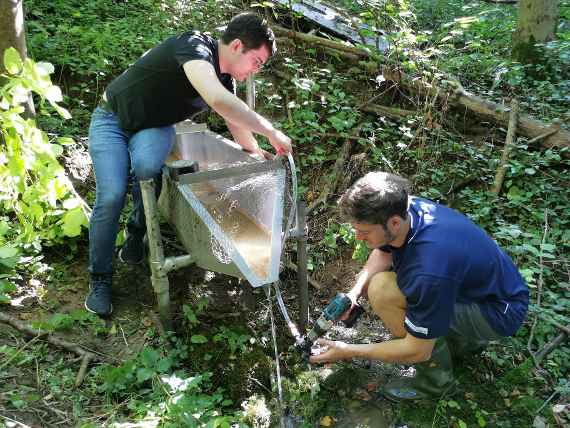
378 261
409 349
245 139
203 78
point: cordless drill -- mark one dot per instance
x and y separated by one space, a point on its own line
334 310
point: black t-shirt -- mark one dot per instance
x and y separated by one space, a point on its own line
155 91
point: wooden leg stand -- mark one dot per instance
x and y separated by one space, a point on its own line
159 275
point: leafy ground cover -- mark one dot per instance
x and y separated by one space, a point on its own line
217 369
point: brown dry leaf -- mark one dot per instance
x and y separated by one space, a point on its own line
326 421
371 386
361 394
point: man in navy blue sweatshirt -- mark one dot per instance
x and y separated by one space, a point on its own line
436 280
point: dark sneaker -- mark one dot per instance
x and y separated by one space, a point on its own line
132 251
98 300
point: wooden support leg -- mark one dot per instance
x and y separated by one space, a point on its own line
159 275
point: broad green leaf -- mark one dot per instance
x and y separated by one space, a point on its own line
6 252
62 111
12 61
198 338
65 141
71 203
53 94
144 374
56 149
72 222
44 68
164 365
149 357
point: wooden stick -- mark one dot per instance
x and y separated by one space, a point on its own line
82 370
501 170
551 346
331 185
87 356
542 136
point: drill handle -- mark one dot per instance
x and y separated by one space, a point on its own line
354 316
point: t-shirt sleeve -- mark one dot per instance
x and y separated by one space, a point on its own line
192 48
229 83
430 305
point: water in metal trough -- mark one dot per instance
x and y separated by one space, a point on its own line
251 238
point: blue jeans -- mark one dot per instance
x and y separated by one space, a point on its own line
118 156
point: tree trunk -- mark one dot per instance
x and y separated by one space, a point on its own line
536 24
12 34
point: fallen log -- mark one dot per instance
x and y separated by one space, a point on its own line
550 135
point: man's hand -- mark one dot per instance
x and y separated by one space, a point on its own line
280 142
262 154
336 351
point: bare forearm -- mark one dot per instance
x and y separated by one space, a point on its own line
244 138
234 110
378 261
391 351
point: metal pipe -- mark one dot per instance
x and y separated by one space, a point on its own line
178 262
250 92
302 274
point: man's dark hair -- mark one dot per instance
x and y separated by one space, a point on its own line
375 198
253 32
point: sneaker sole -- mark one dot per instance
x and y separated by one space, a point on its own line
97 313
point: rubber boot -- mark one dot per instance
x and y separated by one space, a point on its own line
462 348
434 378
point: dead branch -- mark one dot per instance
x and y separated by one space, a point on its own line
51 338
391 112
551 346
82 370
47 336
537 357
502 169
330 185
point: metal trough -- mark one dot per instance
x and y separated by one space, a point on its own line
226 207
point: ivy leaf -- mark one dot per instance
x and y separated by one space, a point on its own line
149 357
164 365
144 374
198 338
12 61
5 288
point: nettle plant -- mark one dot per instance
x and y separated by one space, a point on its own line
38 204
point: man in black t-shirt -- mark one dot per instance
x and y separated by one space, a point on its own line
132 130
